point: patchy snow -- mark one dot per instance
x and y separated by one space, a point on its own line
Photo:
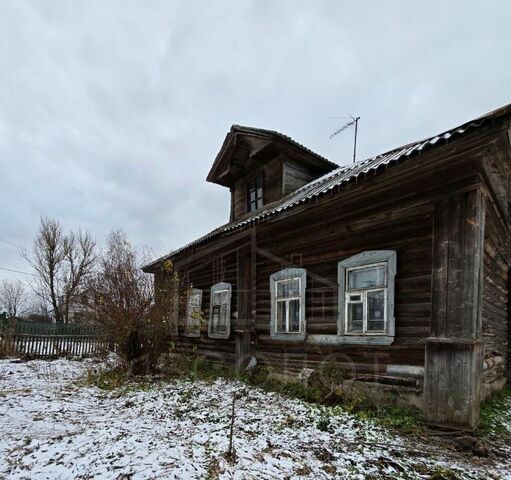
51 428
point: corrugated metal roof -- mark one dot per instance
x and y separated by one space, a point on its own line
338 177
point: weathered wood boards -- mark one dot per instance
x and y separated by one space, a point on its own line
496 308
433 211
452 382
455 352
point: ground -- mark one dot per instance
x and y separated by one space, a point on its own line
55 427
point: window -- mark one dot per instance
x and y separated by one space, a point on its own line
366 297
194 313
220 311
287 289
366 289
287 297
255 193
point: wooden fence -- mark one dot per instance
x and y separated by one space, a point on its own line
42 340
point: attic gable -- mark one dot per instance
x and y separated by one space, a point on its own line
245 148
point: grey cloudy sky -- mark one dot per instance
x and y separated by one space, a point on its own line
111 113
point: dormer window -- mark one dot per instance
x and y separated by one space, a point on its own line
260 167
255 193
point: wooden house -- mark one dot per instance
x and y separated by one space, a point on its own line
397 267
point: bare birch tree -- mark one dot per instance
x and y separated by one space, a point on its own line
63 264
13 297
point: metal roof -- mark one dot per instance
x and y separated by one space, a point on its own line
341 175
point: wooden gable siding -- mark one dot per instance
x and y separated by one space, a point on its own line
295 175
272 180
239 199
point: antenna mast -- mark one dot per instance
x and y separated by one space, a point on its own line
353 121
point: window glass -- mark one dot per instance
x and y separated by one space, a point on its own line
281 316
194 301
220 310
366 296
221 297
370 277
222 327
255 194
294 315
376 310
355 317
194 311
288 303
215 319
288 288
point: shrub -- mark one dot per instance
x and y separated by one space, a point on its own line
125 307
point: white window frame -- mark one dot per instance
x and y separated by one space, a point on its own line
373 258
281 276
363 294
287 300
191 323
215 289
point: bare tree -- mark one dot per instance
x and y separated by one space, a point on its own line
13 297
37 310
124 305
63 264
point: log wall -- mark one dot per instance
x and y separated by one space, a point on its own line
495 312
319 248
495 293
203 274
391 211
295 175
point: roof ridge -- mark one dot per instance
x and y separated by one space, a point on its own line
284 137
342 174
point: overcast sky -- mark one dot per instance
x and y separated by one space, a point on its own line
112 112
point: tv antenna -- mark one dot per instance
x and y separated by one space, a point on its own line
353 121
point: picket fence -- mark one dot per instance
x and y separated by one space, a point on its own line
43 340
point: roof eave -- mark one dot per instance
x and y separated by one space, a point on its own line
324 184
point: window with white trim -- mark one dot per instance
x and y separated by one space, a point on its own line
366 292
287 289
366 297
194 312
287 298
220 311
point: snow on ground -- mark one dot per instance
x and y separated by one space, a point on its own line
51 428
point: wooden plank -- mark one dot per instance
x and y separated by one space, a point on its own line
454 352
